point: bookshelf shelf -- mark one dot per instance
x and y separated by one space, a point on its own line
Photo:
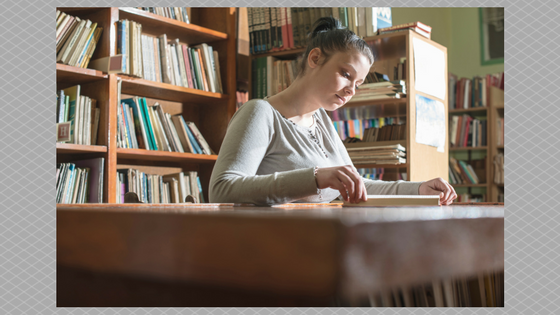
500 147
168 92
76 75
68 148
150 155
156 25
468 148
288 53
481 110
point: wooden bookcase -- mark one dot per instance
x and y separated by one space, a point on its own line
494 110
423 161
211 112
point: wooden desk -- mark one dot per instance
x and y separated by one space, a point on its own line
173 255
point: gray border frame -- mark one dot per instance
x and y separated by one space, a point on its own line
28 219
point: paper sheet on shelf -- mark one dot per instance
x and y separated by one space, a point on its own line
429 69
430 122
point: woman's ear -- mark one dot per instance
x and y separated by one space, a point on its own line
314 57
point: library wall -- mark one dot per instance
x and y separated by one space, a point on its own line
458 30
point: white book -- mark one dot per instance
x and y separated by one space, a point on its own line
87 123
181 63
177 77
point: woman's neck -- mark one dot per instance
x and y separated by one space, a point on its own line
296 103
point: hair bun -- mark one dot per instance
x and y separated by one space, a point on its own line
325 24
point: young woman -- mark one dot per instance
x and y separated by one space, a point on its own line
284 148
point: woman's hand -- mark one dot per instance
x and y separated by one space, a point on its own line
438 186
344 179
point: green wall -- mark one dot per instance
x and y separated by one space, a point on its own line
458 30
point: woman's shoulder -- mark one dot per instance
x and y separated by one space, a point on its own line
258 109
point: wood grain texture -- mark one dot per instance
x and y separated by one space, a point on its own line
312 252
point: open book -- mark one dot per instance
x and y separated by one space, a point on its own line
395 200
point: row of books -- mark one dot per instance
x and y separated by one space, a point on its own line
155 59
271 75
272 29
500 131
418 27
81 112
380 90
355 128
180 14
466 131
461 172
80 181
153 188
499 168
380 174
390 154
471 93
143 126
483 290
76 39
385 133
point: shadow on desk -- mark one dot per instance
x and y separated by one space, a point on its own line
172 255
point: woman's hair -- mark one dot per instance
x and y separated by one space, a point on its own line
331 37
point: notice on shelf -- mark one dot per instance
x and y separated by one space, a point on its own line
429 69
430 122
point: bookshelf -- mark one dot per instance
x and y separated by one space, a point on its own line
423 161
485 172
209 111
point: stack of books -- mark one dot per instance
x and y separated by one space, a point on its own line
466 131
143 126
177 13
380 90
155 59
389 154
82 113
460 172
276 29
76 39
418 27
80 181
153 188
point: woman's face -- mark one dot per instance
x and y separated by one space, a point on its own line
336 80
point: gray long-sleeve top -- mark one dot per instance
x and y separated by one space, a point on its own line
266 159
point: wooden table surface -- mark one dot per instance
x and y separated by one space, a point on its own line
308 254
